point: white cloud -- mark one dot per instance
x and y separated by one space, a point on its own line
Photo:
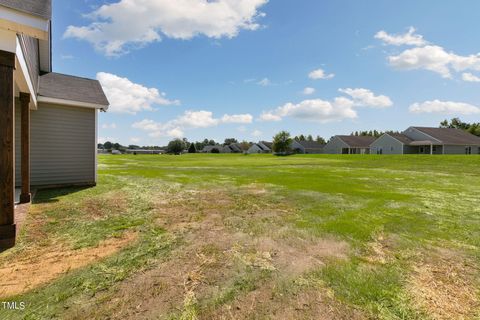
265 82
320 74
109 126
366 98
126 96
237 118
316 110
119 26
429 57
188 120
308 91
408 38
269 116
322 111
242 129
257 133
444 107
105 139
468 77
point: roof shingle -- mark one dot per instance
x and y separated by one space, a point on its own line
451 135
358 141
40 8
65 87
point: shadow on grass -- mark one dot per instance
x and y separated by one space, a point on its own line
52 195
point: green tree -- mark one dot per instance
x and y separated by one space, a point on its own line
456 123
176 146
282 143
192 148
108 145
245 145
229 141
309 138
320 140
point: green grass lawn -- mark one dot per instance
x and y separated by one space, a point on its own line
309 236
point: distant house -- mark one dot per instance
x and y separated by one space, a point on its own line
425 140
261 147
349 145
235 147
307 147
209 149
143 151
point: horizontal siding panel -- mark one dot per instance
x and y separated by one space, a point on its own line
63 146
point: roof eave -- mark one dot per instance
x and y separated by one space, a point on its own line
72 103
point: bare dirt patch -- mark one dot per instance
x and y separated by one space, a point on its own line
264 303
214 252
112 203
34 267
445 284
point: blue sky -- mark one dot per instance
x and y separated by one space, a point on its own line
247 69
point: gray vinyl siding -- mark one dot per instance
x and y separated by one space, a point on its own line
386 145
63 147
451 149
335 146
298 146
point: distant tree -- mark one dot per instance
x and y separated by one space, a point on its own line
320 140
108 145
192 148
245 145
473 128
282 143
212 143
176 146
301 138
229 141
215 150
132 146
309 138
100 146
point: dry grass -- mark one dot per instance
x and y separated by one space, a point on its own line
445 284
213 254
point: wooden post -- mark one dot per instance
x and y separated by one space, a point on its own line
25 196
7 151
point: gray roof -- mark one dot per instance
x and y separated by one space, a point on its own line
40 8
401 137
267 144
311 144
65 87
451 135
235 147
358 141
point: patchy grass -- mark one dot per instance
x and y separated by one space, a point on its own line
243 237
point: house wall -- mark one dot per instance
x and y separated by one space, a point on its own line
254 149
450 149
386 144
297 146
335 146
314 151
63 146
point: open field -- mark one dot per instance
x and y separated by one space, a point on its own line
254 237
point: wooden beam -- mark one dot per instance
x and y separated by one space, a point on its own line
7 151
25 196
